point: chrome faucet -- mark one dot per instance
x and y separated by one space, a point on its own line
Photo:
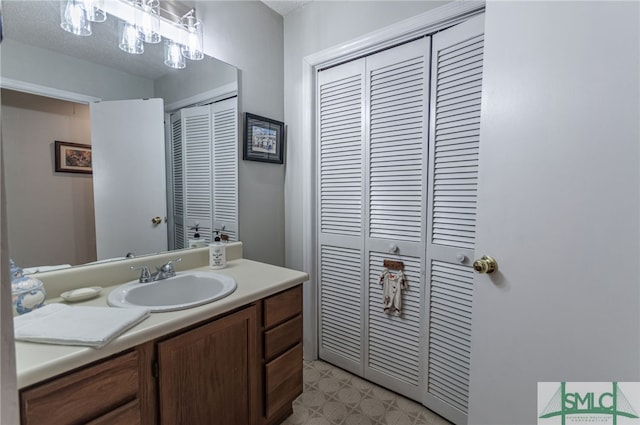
166 270
163 272
145 275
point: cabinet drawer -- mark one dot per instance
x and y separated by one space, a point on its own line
129 414
83 395
282 306
283 378
283 336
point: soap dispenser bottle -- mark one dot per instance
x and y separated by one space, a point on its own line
196 242
217 253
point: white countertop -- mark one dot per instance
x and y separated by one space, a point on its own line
37 362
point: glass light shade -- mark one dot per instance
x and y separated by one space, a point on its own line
129 40
192 43
95 10
73 18
148 20
173 56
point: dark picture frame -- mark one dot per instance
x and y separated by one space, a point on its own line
73 158
263 139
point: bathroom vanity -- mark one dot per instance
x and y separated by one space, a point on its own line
237 360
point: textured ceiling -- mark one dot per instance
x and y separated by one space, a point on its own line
284 7
37 23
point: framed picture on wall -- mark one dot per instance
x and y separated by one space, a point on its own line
73 158
263 139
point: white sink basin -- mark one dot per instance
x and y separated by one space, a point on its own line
185 290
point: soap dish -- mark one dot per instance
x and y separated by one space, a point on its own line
81 294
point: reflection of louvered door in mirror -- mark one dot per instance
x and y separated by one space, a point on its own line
225 167
204 171
177 238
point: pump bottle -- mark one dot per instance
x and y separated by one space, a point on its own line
196 242
217 253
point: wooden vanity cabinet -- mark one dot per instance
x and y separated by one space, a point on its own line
242 368
208 375
105 392
282 354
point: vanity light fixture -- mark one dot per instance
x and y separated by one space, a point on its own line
95 10
130 41
142 21
73 18
148 22
192 44
173 57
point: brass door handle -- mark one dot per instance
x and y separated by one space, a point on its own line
156 220
485 265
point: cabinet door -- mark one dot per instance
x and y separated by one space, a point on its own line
85 394
208 375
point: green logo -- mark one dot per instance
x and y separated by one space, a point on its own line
586 404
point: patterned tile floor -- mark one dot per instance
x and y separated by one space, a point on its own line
332 396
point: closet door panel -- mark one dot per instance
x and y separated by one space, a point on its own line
197 154
341 210
340 292
177 182
456 86
204 161
398 89
394 341
225 167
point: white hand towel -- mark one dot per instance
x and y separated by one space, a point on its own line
42 269
77 325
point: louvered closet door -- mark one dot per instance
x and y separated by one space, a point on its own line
225 167
341 214
205 170
453 164
197 137
177 182
398 88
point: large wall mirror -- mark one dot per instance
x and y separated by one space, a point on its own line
49 80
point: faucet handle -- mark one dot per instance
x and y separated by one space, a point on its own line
168 268
145 275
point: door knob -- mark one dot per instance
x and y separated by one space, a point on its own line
156 220
485 265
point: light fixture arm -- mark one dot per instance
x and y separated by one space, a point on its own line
190 13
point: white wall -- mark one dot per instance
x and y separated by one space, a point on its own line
315 27
558 203
249 35
38 66
50 215
199 77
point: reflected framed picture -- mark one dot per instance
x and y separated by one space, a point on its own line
73 158
263 139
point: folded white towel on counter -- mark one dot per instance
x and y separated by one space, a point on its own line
42 269
76 325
